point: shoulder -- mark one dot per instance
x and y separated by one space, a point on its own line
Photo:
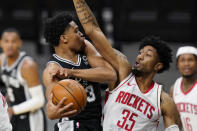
29 64
52 66
90 49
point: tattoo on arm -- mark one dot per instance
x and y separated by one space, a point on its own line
85 14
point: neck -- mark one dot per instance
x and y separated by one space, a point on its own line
11 60
144 81
189 81
66 53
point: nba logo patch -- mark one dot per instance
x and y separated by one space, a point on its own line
77 124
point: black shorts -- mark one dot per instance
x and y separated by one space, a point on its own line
73 125
23 123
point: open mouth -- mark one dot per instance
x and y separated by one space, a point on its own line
137 64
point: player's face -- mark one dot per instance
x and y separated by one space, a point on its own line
146 60
187 64
75 37
10 43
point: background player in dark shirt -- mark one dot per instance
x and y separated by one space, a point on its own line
19 73
75 57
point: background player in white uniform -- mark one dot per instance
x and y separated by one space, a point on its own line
80 61
19 73
137 102
5 124
184 90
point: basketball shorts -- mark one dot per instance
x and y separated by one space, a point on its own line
83 125
29 122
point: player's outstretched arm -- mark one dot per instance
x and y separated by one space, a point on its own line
98 38
59 110
170 113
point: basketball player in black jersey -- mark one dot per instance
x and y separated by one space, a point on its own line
19 73
78 59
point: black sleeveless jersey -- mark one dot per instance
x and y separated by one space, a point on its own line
13 81
93 109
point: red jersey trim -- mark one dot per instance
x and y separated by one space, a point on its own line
185 93
151 87
121 84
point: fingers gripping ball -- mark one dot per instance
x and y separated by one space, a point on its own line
73 91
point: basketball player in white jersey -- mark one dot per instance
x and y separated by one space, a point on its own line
184 90
19 73
5 124
137 102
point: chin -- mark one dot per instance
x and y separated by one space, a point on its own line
187 75
10 55
136 72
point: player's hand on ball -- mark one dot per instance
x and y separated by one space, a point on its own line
60 110
56 72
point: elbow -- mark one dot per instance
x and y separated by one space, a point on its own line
112 76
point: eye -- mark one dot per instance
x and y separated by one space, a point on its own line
148 55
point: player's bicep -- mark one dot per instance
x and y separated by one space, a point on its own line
47 81
169 111
171 91
29 72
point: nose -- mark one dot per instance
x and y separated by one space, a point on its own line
186 63
140 56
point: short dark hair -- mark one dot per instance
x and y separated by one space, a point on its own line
11 29
163 50
54 27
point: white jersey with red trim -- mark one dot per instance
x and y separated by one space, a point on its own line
128 109
5 124
186 103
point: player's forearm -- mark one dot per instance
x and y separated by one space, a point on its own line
94 32
85 16
36 102
95 74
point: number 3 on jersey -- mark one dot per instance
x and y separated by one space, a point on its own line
127 116
90 93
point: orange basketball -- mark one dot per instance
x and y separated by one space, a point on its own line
73 91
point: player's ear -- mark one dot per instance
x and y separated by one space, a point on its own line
158 66
64 38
